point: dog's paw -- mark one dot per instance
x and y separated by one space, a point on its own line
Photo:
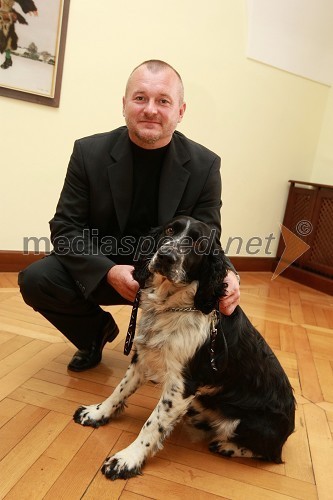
228 449
222 448
92 415
117 467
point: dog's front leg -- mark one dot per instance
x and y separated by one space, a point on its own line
100 414
170 408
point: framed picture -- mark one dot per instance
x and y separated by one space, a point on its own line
32 48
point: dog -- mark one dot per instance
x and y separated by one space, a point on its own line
216 371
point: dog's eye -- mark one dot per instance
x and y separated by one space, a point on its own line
169 231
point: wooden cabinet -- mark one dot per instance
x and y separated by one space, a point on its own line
309 215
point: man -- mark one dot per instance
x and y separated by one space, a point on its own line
118 185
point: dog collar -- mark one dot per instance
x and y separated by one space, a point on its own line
132 324
180 309
215 321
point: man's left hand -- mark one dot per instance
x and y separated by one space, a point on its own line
231 300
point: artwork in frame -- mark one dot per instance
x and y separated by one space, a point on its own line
32 48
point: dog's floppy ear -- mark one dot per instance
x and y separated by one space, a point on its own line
211 286
147 246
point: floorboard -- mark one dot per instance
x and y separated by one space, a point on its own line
45 455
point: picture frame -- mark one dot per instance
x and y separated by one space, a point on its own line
33 70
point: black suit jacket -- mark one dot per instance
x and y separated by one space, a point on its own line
95 202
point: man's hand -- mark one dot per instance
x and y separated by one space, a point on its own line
229 303
120 277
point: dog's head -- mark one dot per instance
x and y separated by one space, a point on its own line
186 250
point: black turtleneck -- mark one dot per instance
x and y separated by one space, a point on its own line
147 165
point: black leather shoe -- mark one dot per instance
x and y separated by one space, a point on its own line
84 359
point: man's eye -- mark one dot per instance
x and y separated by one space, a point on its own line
169 231
164 101
139 98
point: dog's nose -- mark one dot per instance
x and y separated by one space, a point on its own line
167 255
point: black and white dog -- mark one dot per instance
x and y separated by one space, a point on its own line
216 371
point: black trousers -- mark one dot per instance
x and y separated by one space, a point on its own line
48 288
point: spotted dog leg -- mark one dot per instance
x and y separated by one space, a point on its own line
100 414
128 462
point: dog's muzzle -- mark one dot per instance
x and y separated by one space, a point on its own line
168 261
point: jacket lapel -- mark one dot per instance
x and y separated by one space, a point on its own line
173 181
121 179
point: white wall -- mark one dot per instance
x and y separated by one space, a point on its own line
295 36
265 123
323 166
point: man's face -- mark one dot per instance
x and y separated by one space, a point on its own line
152 107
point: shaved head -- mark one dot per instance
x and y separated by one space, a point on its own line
155 66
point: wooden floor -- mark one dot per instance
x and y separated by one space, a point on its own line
44 454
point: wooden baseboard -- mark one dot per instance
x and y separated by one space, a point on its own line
316 281
14 261
259 264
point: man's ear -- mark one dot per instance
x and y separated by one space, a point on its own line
182 110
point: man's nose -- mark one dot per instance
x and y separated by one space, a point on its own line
151 108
